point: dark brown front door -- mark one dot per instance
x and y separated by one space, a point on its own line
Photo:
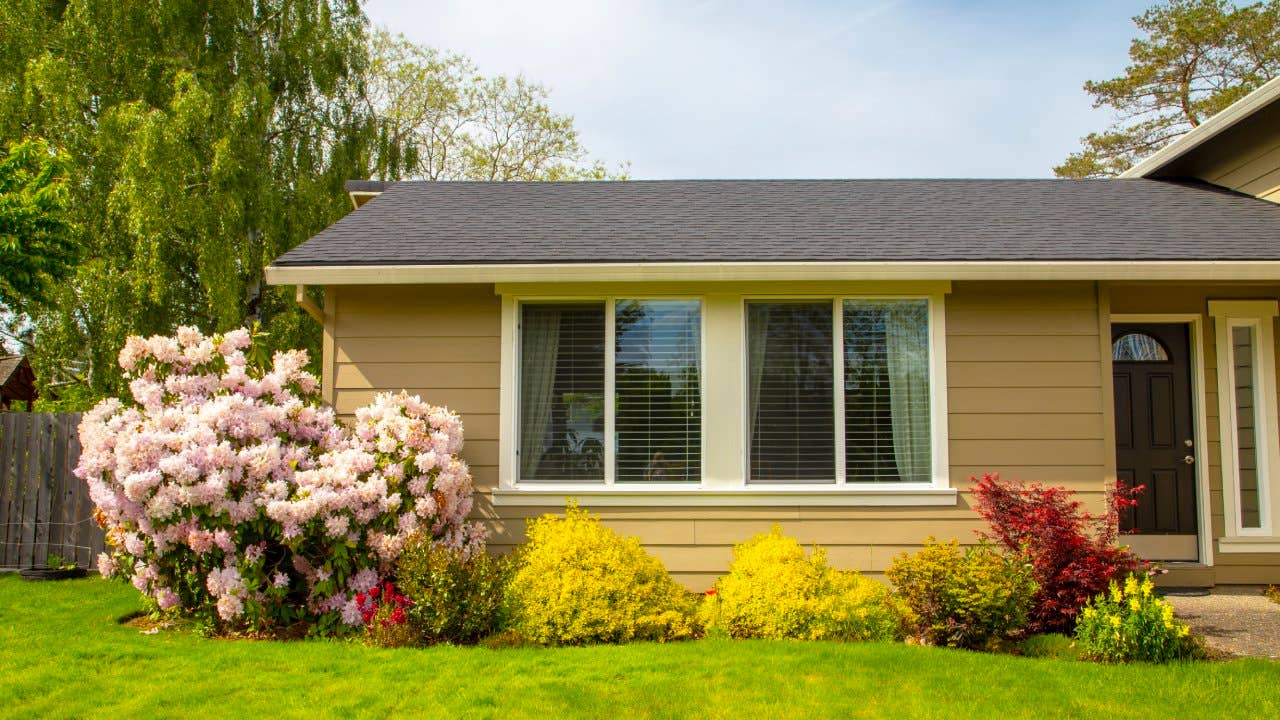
1155 441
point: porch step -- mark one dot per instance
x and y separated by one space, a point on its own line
1185 575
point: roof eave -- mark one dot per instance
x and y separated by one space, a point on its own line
1209 129
1213 270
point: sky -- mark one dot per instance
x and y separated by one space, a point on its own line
803 88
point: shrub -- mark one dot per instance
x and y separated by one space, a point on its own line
383 610
1272 593
456 597
973 598
774 591
1129 623
1073 552
228 491
577 582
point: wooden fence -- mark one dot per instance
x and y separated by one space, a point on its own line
44 508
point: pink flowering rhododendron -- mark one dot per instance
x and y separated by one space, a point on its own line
232 491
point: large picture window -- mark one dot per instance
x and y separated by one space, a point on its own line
610 391
839 391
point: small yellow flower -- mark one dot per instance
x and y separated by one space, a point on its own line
1115 621
1134 604
1131 585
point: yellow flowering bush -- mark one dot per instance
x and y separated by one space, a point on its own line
774 591
577 582
971 598
1130 622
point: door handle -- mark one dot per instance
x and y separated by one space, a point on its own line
1190 460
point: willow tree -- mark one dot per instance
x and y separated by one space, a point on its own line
1195 58
207 138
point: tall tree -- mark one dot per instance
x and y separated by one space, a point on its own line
36 244
438 118
1196 58
207 138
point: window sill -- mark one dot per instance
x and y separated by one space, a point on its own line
1254 544
707 497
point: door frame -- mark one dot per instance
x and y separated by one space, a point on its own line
1199 414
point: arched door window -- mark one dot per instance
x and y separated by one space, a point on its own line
1138 347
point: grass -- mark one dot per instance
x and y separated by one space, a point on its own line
64 653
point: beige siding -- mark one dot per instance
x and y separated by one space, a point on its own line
1245 159
1165 298
1026 397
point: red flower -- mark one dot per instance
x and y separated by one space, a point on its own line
373 593
712 591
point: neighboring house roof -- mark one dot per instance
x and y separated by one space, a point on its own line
764 221
1177 159
17 380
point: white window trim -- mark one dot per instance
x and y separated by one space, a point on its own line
719 486
1259 315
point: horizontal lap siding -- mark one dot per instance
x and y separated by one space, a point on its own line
1025 396
1229 568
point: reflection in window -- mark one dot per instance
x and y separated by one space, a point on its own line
562 392
658 389
1246 429
1138 347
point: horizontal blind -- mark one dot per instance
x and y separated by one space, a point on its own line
886 391
562 392
791 401
658 388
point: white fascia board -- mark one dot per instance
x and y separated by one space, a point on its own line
1211 270
1207 130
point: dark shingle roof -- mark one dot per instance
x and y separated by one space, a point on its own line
439 223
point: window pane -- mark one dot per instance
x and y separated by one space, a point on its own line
886 391
562 392
658 387
1246 445
791 402
1138 347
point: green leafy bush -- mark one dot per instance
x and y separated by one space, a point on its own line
456 597
576 582
1129 622
774 591
971 598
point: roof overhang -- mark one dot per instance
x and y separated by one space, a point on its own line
1255 270
1238 111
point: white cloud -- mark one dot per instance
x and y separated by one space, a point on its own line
800 89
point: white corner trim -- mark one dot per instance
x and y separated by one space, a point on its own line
1207 130
1249 545
756 496
1267 270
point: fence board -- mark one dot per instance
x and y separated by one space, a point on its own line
7 473
44 508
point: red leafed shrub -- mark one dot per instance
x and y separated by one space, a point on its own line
1074 553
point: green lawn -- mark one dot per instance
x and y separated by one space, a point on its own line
63 654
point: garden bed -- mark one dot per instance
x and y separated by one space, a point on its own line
63 652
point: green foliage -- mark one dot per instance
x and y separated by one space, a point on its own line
37 247
1272 593
578 582
207 139
774 591
1130 623
455 599
438 118
1195 58
971 598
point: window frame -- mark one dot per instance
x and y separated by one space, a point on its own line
1259 316
610 402
723 337
939 469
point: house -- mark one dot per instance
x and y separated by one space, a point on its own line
17 381
697 360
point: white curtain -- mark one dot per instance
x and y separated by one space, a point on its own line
907 346
757 345
539 348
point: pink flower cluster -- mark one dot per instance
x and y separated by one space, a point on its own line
240 479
